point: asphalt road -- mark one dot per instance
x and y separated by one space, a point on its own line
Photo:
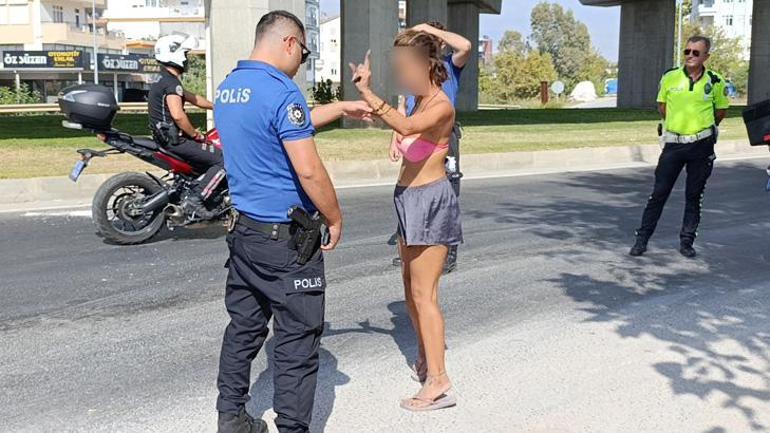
551 328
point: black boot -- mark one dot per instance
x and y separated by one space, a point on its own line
194 207
640 247
686 249
241 423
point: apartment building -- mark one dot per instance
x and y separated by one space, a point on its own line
731 16
48 45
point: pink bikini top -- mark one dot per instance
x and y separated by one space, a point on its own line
416 149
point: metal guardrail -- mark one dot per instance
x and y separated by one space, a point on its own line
54 108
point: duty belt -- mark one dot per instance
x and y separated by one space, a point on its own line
671 137
276 231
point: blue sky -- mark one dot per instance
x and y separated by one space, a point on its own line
603 23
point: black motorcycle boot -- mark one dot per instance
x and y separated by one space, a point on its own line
241 423
686 249
193 206
640 246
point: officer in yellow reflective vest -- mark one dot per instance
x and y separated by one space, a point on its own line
693 101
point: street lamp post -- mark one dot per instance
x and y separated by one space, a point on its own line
93 30
679 35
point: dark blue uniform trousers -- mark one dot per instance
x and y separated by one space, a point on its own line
265 281
698 160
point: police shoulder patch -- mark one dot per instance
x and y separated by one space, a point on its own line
296 114
179 90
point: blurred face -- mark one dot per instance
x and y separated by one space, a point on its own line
695 54
412 70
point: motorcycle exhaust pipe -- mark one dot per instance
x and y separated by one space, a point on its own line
174 212
155 202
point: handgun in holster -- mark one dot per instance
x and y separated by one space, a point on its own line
166 133
311 233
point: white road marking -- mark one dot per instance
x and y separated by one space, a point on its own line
70 213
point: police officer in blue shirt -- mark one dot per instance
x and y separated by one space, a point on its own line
454 62
272 164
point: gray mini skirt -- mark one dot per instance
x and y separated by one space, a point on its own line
428 214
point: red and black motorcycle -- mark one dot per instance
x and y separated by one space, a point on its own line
130 208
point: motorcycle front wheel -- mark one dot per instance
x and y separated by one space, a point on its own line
115 209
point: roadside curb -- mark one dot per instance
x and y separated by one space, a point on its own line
60 191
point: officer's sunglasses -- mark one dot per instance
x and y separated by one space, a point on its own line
305 51
695 53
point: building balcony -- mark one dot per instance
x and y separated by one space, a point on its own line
59 33
67 33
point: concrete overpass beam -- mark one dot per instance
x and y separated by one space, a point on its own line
646 50
420 11
463 19
369 25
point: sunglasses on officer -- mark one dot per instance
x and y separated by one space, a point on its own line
305 51
695 53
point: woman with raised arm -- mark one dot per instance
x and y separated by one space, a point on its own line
426 206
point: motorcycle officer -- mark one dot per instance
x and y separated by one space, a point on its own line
272 165
173 130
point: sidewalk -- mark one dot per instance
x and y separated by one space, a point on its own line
60 192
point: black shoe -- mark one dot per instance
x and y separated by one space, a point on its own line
687 250
194 207
397 262
241 423
639 248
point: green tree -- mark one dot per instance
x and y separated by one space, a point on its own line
512 42
557 32
324 92
518 77
194 80
594 69
24 95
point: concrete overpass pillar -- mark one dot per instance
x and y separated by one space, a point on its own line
420 11
646 50
463 19
759 85
231 25
369 25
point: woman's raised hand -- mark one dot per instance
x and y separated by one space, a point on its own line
362 74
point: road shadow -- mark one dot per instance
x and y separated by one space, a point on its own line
329 378
711 314
402 331
196 232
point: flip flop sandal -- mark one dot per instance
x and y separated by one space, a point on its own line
426 405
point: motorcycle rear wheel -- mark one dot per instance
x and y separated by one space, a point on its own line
114 214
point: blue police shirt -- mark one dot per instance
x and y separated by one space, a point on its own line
256 109
451 86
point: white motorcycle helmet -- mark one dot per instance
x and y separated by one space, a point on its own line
171 50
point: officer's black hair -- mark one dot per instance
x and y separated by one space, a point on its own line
270 19
705 40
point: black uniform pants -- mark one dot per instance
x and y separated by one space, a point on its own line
265 281
203 157
698 160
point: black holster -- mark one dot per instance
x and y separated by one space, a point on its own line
165 133
310 234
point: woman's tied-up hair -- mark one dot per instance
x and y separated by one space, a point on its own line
430 47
